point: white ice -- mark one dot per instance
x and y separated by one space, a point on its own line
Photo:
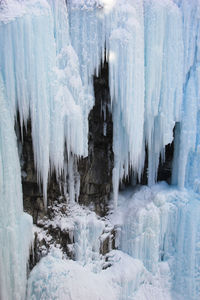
49 53
15 226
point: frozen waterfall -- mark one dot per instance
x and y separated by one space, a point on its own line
49 52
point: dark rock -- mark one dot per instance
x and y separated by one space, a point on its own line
96 170
33 201
95 177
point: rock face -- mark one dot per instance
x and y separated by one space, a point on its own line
32 192
95 179
96 170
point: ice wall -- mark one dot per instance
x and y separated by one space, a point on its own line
39 77
15 226
48 56
160 227
188 150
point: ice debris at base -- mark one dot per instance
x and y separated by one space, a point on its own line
55 278
158 256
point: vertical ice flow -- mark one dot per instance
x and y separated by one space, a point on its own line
15 226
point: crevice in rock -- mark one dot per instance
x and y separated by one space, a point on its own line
95 178
164 168
32 192
96 169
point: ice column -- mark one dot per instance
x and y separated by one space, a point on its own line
15 226
163 77
187 173
126 79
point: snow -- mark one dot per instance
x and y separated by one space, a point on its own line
158 254
84 228
57 278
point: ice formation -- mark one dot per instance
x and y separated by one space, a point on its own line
153 79
49 53
153 53
164 235
158 256
15 226
42 79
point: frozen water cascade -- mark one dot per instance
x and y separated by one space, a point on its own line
49 52
146 44
39 74
53 92
15 226
164 233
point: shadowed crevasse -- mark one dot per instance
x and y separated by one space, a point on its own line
96 169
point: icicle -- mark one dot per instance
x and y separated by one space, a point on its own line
163 77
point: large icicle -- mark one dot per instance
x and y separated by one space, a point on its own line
42 76
126 79
163 77
118 26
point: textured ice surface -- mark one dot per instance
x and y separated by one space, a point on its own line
160 227
84 228
15 226
153 52
158 232
48 55
40 71
55 278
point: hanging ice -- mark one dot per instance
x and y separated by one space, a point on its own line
48 57
150 67
15 226
38 76
163 77
42 77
